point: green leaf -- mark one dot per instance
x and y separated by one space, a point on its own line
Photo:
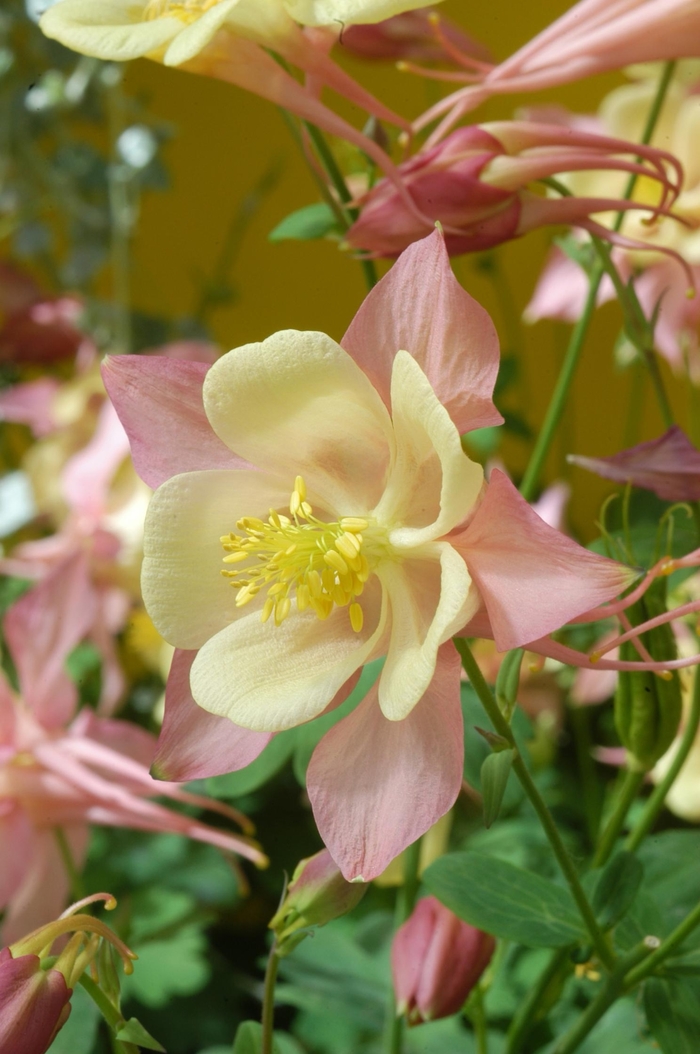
672 873
249 1040
169 968
505 900
307 224
673 1013
616 888
494 777
268 764
134 1032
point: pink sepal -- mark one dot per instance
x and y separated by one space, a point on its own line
420 307
532 579
41 629
668 466
377 785
194 744
34 1004
159 402
31 404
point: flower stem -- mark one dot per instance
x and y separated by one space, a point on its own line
655 802
110 1013
632 781
121 209
502 727
405 902
268 1008
77 886
477 1016
666 948
520 1025
560 395
611 990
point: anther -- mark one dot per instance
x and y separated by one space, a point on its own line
335 560
357 617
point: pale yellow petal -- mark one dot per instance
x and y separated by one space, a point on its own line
433 485
184 591
268 678
297 405
108 29
430 598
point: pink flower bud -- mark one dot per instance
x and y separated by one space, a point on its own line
436 959
412 35
317 894
34 1004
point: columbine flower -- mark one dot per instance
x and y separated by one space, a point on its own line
475 183
358 528
660 286
61 771
413 35
230 40
34 996
436 959
668 466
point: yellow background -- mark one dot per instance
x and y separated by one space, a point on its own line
226 139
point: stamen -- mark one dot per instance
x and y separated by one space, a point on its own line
320 565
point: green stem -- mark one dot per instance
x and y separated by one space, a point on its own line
502 727
118 180
268 1008
477 1016
521 1023
405 902
557 403
77 886
110 1013
611 990
631 784
580 720
666 948
655 802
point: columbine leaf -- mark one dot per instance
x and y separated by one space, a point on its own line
673 1014
505 900
134 1032
494 778
616 888
307 224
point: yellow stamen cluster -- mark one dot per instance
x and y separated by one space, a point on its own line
321 564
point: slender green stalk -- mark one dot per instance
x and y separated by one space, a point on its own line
565 862
666 948
120 207
631 784
610 991
578 336
405 902
268 1008
524 1018
580 721
77 886
477 1016
110 1013
655 802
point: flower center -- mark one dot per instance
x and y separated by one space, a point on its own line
185 10
321 564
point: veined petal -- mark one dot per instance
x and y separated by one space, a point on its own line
430 597
193 743
533 579
109 29
269 678
264 23
377 785
421 307
298 405
433 485
184 591
159 403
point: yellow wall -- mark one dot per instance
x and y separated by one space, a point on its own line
227 138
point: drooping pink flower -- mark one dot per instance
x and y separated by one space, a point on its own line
413 36
594 36
668 466
36 327
366 435
436 959
475 183
68 771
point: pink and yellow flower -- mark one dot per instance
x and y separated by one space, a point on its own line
353 526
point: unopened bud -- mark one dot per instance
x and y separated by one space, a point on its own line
34 1004
436 959
317 894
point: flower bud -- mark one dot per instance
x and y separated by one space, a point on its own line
413 35
647 705
436 959
34 1004
317 894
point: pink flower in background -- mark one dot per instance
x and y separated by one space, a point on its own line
436 959
668 466
366 436
59 770
413 36
37 328
475 183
